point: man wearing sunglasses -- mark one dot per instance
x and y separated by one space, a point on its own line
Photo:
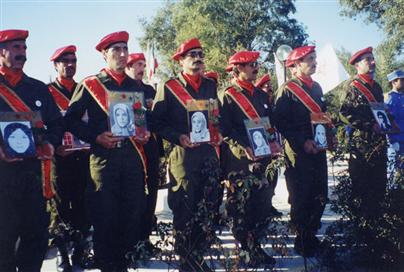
306 164
243 101
189 163
72 172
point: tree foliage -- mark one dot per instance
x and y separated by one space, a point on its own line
223 26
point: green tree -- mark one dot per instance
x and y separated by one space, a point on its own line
223 26
389 16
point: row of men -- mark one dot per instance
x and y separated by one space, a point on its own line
123 171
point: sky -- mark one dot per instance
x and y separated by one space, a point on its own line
56 23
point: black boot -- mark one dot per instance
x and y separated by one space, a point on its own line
62 261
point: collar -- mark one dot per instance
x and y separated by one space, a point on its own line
12 76
367 78
307 80
118 77
67 83
246 85
193 80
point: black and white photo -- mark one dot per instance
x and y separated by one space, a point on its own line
122 119
18 139
320 135
260 142
199 127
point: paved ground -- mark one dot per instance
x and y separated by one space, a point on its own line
290 263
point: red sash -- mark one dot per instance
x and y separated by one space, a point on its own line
179 92
304 97
100 94
61 100
364 90
243 102
15 102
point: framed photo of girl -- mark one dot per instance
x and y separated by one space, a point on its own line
379 111
259 134
21 134
127 114
322 130
198 118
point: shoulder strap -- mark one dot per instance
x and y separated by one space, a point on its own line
178 90
243 102
304 97
363 90
98 91
61 100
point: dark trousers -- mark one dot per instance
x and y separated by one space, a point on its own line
23 217
369 180
189 167
117 203
307 183
72 177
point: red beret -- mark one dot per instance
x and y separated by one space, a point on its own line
289 63
242 57
212 74
186 46
135 57
299 53
357 55
120 36
64 50
13 35
262 81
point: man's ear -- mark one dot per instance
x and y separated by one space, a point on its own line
104 53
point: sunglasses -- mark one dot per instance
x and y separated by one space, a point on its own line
253 64
194 54
67 60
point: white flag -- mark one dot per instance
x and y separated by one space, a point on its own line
329 72
280 72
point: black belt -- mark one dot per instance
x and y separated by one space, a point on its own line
123 143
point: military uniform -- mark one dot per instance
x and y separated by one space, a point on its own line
118 201
188 182
368 149
72 176
235 160
23 214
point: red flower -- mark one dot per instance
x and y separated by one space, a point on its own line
39 124
137 106
271 130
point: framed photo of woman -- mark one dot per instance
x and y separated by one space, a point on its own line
321 126
258 135
198 121
121 114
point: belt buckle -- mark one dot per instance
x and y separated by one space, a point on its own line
118 144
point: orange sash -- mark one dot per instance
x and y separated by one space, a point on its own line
61 100
15 102
304 97
100 94
179 92
243 102
364 90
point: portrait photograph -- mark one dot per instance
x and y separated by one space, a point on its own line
121 114
18 139
72 142
259 142
320 135
381 117
198 124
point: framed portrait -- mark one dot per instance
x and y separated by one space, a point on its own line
198 117
121 114
321 126
258 131
21 134
381 117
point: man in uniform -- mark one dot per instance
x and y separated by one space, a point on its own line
135 69
243 101
117 165
23 215
193 168
264 83
72 172
367 162
306 165
395 104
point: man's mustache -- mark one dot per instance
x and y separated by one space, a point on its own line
198 62
20 57
255 72
140 73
